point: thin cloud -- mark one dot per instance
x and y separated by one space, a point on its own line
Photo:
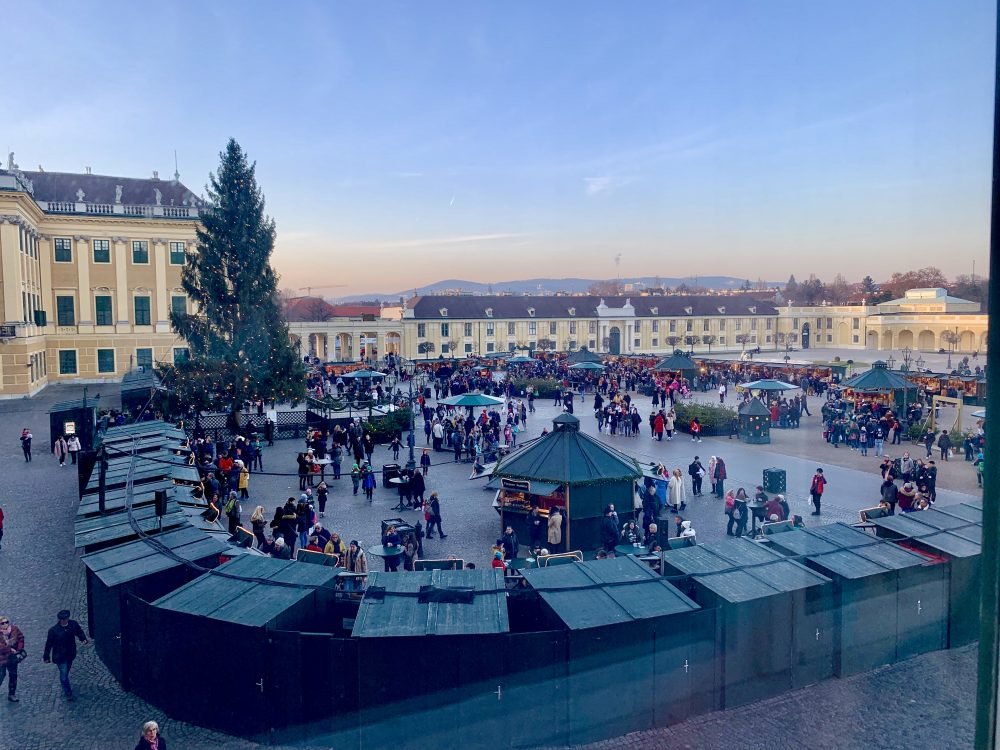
461 239
604 184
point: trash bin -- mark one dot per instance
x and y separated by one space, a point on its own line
389 471
775 481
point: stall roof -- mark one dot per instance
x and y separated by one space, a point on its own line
742 551
847 564
77 403
952 544
879 379
606 592
890 556
583 355
675 363
963 511
801 542
263 589
138 559
143 494
433 602
972 533
112 527
737 586
568 456
695 560
842 535
938 520
143 431
904 525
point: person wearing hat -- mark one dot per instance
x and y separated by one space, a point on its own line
905 497
60 648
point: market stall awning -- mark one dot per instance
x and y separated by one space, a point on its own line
520 359
675 363
584 355
879 379
767 384
593 366
364 375
471 400
568 456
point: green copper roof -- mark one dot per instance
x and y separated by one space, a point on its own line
568 456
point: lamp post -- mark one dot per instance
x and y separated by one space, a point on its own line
410 367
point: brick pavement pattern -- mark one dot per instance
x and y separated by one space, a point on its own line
926 702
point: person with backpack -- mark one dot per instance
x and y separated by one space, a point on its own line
232 510
26 438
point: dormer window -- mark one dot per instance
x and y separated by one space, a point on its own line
753 310
489 312
689 310
572 311
444 312
531 312
654 310
722 311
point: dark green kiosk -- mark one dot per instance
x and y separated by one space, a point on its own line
639 654
446 631
755 422
774 618
890 602
240 605
569 470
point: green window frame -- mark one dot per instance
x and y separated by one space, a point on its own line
141 308
67 361
63 249
65 310
144 357
178 304
177 254
102 251
103 311
105 360
140 252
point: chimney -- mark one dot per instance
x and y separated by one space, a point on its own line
156 175
87 169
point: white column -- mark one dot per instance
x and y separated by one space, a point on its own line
85 313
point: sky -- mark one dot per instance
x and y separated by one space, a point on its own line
402 143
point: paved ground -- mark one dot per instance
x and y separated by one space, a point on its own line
928 701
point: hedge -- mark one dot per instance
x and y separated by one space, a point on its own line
544 387
714 418
383 428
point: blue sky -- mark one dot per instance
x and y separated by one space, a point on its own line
400 143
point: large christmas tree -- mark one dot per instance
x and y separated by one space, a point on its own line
237 336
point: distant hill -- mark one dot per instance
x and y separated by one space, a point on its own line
552 286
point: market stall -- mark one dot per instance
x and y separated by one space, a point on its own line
882 385
569 470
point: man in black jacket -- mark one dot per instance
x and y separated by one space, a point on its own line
60 647
696 471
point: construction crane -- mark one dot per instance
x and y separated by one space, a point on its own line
309 289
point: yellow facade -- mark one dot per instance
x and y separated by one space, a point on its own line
102 276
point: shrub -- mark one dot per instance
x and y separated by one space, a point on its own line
543 387
714 418
383 428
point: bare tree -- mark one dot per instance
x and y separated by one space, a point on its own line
708 339
691 340
317 311
609 288
779 339
426 347
743 339
673 341
545 345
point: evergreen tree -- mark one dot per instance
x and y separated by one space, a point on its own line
237 337
791 288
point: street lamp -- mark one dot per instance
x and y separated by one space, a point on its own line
891 362
410 368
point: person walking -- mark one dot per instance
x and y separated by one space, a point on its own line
816 490
151 738
435 519
719 477
425 462
368 482
554 529
11 654
258 522
73 446
61 450
944 444
60 648
356 476
26 438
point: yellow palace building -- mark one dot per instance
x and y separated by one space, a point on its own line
90 267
